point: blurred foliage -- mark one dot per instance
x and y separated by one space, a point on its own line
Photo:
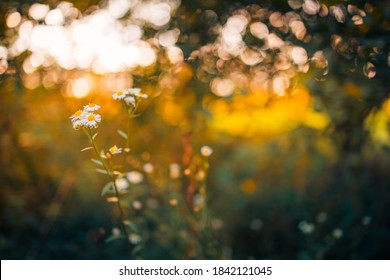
300 138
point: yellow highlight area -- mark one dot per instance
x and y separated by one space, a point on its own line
315 120
386 108
184 72
171 112
266 115
377 123
174 110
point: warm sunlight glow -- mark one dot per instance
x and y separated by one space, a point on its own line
100 41
81 87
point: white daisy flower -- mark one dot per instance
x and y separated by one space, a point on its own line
134 91
91 107
137 92
77 124
92 120
206 151
115 150
78 115
119 95
130 100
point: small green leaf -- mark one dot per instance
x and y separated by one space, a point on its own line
137 249
87 148
114 238
102 154
98 162
117 173
108 188
133 227
122 133
101 171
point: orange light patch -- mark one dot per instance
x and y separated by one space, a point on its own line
248 186
112 199
353 90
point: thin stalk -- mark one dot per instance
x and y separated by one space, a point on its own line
110 174
128 130
130 115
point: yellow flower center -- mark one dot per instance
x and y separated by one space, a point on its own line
78 113
91 118
91 105
120 93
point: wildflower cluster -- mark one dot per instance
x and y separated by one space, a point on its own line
130 96
132 183
86 117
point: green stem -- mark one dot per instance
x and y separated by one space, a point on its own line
112 177
130 114
128 130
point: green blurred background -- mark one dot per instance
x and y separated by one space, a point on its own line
297 174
